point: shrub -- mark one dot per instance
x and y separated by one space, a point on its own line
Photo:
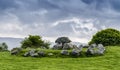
34 41
3 47
107 37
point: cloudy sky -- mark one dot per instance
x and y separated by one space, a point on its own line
77 19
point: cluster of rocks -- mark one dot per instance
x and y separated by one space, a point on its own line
91 49
76 51
95 49
34 53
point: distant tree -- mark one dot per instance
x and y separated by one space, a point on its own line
107 37
34 41
46 44
62 40
3 47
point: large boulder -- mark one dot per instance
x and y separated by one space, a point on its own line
41 53
80 47
68 46
57 46
26 54
85 46
95 49
75 52
101 49
64 52
65 46
32 51
15 51
91 49
34 55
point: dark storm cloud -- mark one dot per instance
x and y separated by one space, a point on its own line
6 4
51 18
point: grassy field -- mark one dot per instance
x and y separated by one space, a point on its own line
110 61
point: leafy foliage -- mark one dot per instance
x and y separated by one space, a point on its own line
3 47
107 37
34 41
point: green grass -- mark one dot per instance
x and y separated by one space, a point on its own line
110 61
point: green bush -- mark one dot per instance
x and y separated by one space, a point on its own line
34 41
3 47
107 37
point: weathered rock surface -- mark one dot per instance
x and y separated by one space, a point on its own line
101 49
95 49
75 52
57 46
64 52
41 53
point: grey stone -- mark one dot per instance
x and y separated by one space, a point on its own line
67 46
31 52
85 46
80 47
26 54
96 49
34 55
14 52
64 52
93 45
75 52
57 46
91 49
101 49
75 47
41 53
